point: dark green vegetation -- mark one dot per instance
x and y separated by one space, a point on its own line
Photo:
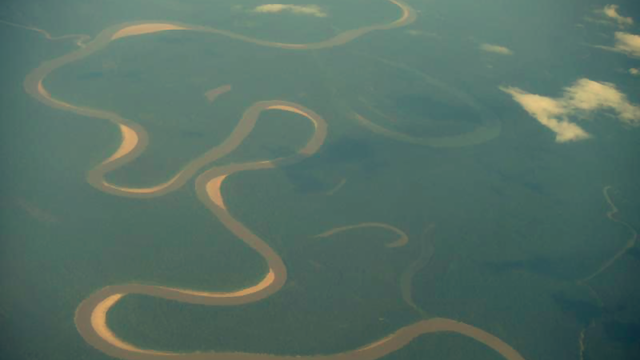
519 219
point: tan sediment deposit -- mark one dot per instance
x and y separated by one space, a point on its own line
129 142
401 241
99 322
213 94
91 314
266 282
152 191
42 91
213 190
33 85
145 29
407 17
291 109
99 313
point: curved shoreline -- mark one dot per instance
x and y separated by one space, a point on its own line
213 94
81 38
488 130
33 85
629 245
401 241
337 188
91 314
406 279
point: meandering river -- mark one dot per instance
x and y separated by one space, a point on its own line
91 314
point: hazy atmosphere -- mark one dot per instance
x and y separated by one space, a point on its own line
329 180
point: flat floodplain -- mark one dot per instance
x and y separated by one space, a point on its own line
207 181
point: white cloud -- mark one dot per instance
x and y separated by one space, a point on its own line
311 10
609 16
580 99
550 113
634 71
496 49
628 44
612 12
586 95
